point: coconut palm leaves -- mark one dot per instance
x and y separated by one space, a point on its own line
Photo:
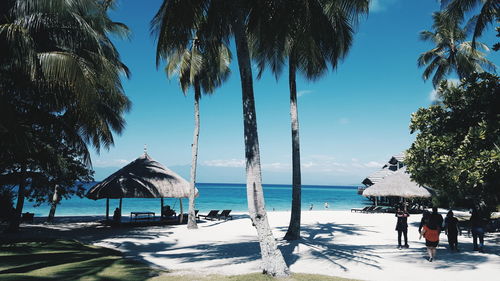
312 34
226 19
451 52
489 12
203 66
59 73
63 46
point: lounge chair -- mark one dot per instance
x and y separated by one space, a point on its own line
378 209
369 209
225 215
213 214
359 210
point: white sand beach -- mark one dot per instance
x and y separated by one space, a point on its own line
337 243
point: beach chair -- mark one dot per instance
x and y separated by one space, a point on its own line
369 209
225 215
359 210
213 214
378 209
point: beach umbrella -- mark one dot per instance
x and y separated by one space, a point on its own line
142 178
398 184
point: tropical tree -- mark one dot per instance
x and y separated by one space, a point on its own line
451 52
203 66
457 146
225 19
311 34
489 12
59 69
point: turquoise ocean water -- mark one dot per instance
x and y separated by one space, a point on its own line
215 196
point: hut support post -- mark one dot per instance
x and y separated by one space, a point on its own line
182 211
161 207
121 208
107 208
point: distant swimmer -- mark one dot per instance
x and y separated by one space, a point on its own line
326 205
311 207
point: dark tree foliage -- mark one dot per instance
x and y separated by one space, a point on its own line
60 91
457 148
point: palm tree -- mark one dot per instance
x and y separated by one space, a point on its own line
60 65
201 66
225 19
451 51
312 34
489 12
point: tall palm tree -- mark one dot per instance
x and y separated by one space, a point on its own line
311 34
451 51
225 19
61 65
489 12
203 66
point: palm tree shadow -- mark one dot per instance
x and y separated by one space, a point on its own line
319 239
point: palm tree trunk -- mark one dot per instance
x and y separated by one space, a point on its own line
273 262
293 232
194 156
53 204
16 219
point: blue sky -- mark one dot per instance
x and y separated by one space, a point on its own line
351 120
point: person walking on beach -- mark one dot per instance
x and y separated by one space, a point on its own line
436 220
402 226
477 224
425 216
451 229
430 232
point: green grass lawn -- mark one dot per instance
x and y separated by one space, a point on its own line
249 277
71 260
67 260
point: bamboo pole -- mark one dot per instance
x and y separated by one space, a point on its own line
182 211
107 208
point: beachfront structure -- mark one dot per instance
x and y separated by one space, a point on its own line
395 163
142 178
398 184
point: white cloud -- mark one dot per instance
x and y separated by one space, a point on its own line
433 95
110 163
276 166
380 5
225 163
373 164
303 92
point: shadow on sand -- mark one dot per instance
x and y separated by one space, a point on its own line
320 238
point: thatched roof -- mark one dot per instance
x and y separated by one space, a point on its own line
397 158
397 184
142 178
377 176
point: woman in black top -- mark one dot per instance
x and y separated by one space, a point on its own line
451 229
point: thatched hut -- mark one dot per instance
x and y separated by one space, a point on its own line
142 178
397 184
